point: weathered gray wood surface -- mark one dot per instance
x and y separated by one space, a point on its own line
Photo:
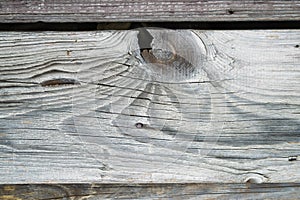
85 107
143 10
149 191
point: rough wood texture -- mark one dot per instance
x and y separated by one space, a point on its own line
149 191
143 10
210 106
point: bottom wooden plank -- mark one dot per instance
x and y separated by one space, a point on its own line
150 191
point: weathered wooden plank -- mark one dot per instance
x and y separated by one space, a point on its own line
149 191
142 10
202 106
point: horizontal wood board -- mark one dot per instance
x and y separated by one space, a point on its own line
158 10
149 191
85 107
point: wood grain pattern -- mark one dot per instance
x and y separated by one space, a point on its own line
142 10
149 191
86 107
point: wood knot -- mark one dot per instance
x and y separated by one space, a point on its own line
168 65
158 56
256 179
253 180
171 56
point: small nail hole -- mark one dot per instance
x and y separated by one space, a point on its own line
292 158
69 52
297 46
230 12
139 125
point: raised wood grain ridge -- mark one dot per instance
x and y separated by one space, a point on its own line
215 106
149 191
143 10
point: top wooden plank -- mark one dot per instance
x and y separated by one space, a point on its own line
142 10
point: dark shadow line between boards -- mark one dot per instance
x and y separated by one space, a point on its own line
93 26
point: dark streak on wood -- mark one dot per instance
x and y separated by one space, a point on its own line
59 81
